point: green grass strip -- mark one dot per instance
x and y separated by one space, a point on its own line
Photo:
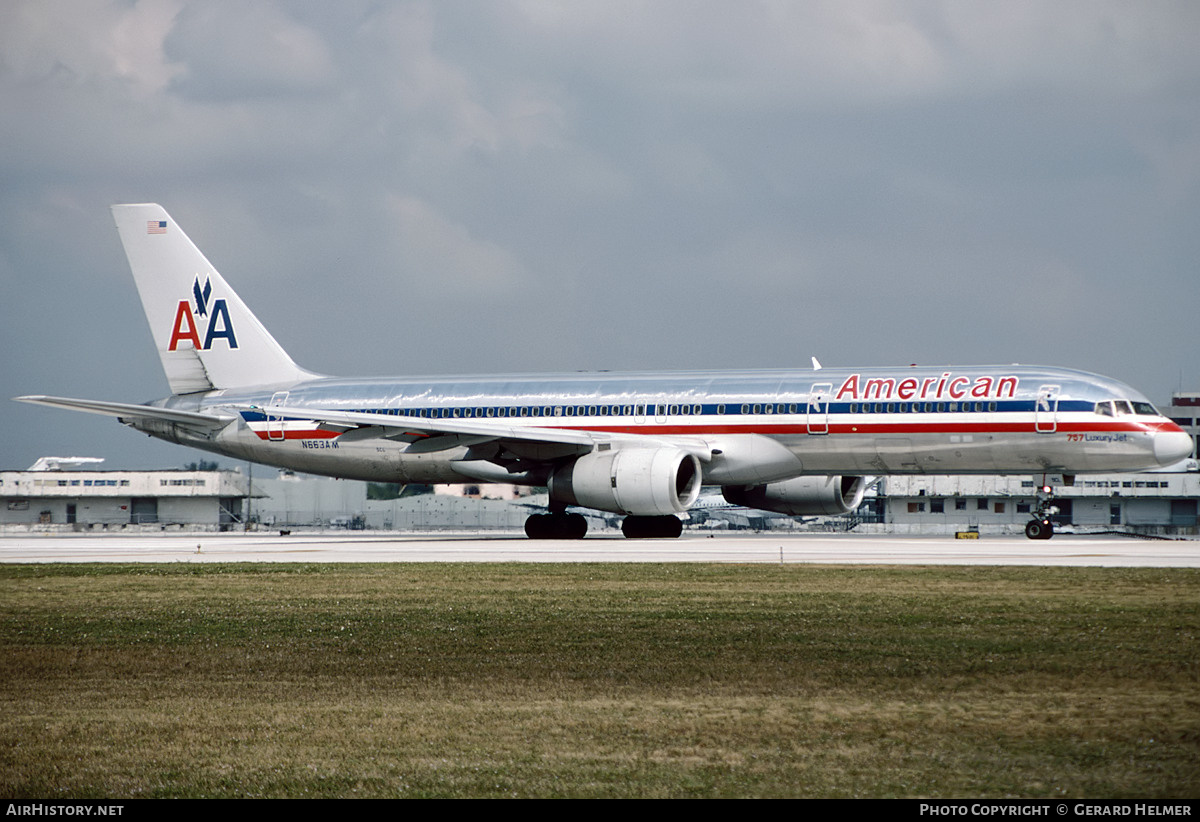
622 680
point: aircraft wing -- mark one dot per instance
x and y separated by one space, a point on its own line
358 425
129 411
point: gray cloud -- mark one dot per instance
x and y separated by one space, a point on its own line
418 187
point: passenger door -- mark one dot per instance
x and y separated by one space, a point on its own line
1045 410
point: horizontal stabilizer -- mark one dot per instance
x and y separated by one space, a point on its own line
130 411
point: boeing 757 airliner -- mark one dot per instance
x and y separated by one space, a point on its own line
639 444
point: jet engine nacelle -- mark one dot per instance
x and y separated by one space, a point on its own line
638 481
801 496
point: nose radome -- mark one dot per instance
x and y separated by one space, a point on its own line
1172 446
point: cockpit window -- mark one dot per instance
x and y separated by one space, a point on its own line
1122 406
1104 408
1145 408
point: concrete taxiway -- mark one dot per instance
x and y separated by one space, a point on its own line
1063 550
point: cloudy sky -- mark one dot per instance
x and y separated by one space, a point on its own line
471 187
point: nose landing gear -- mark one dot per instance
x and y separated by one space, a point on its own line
1040 527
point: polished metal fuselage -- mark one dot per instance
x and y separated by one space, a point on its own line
756 426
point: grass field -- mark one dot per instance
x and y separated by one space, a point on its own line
598 680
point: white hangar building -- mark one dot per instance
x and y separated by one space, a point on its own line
109 500
1165 502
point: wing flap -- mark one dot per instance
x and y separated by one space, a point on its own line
536 443
427 434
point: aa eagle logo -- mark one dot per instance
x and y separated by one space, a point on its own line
188 320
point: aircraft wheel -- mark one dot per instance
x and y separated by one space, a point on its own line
535 526
556 526
667 527
1039 529
573 526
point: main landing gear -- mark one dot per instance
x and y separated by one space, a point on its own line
561 525
556 525
666 527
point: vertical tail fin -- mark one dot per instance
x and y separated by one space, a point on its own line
206 336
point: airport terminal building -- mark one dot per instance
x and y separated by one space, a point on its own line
1184 411
116 500
53 500
1154 503
1165 502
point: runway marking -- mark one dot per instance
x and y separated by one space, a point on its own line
825 549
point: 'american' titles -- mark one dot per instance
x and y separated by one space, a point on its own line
855 387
